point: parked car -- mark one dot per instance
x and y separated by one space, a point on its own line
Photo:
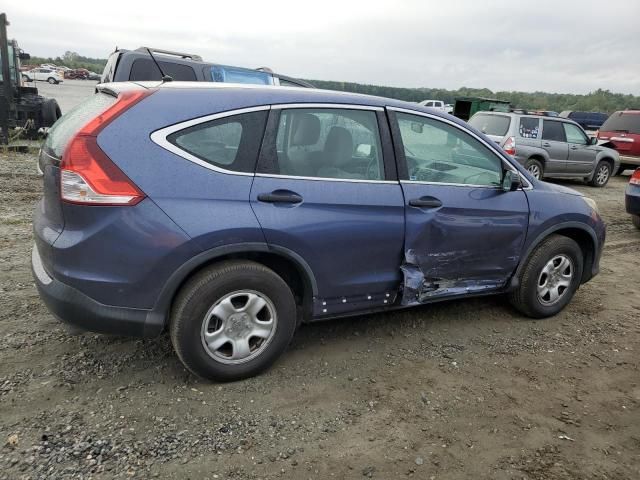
549 147
228 214
137 65
93 76
44 75
77 74
588 120
632 198
437 104
622 132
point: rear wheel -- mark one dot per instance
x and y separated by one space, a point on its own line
635 219
535 168
52 80
601 175
232 320
50 112
549 278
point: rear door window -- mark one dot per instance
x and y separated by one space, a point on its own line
145 69
230 143
529 127
553 131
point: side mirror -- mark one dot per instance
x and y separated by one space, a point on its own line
593 140
510 181
24 56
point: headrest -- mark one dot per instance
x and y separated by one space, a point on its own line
306 129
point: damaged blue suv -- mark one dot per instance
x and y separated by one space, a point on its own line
228 214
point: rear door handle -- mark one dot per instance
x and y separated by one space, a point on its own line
546 144
574 147
425 202
280 196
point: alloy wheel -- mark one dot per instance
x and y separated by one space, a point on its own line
534 170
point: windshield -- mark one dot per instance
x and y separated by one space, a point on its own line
497 125
622 122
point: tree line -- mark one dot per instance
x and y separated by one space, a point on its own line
598 101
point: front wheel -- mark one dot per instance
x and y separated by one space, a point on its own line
601 175
535 168
549 279
232 320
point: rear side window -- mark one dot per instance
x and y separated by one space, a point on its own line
71 122
622 122
497 125
529 127
144 69
231 143
553 131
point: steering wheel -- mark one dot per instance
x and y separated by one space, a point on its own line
373 170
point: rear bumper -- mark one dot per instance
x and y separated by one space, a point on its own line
632 199
75 308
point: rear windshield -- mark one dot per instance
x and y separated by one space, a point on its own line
145 69
72 121
622 122
491 124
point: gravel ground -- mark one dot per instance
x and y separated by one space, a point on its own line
459 390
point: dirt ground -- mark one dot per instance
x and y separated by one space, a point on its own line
460 390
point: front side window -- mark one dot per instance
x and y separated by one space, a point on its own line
231 143
329 143
574 134
553 131
441 153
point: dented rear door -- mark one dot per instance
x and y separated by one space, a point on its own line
463 233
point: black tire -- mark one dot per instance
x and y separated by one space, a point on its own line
525 297
52 80
601 175
535 165
50 112
206 288
635 219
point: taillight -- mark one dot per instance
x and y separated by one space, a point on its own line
510 146
635 178
88 176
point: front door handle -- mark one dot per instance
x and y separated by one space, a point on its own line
574 147
425 202
280 196
546 144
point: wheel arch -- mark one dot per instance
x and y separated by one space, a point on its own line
582 234
294 270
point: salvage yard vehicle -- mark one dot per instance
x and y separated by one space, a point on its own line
549 147
23 112
632 198
228 214
591 121
139 65
44 75
466 107
622 132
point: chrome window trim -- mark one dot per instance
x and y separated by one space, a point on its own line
159 137
344 106
527 184
326 179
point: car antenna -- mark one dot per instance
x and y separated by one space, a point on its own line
165 78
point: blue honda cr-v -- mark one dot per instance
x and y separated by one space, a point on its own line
229 214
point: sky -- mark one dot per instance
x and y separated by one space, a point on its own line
562 46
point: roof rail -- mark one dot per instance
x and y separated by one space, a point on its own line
191 56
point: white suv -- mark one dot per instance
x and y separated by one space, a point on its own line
43 74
